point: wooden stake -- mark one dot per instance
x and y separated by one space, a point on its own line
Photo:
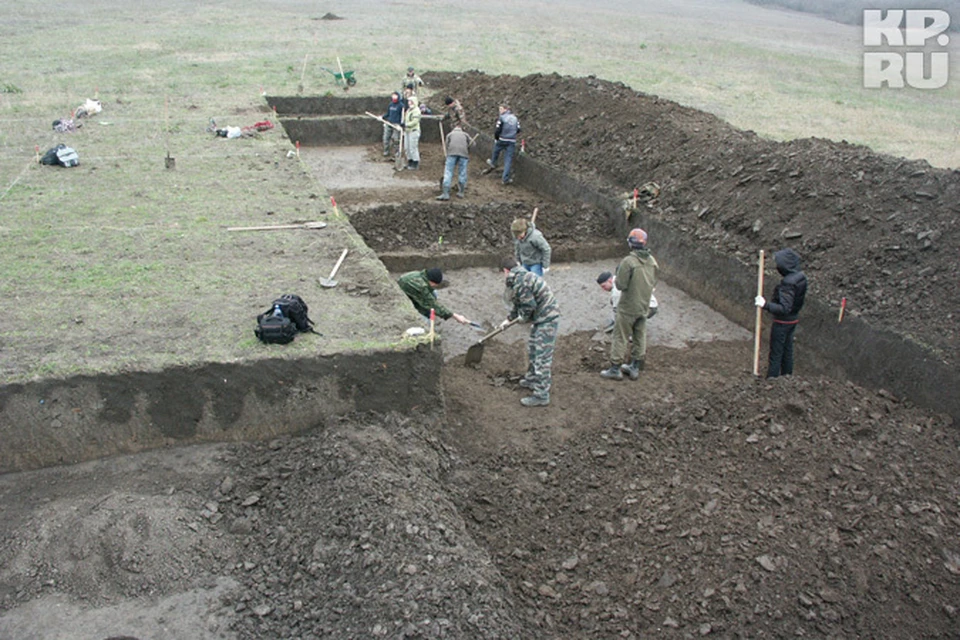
433 319
533 218
843 307
759 323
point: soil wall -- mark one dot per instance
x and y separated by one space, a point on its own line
53 422
870 356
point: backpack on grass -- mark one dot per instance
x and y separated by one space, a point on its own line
286 317
61 155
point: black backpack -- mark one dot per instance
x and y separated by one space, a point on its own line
61 155
273 329
286 317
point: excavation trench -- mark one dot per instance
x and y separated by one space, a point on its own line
585 223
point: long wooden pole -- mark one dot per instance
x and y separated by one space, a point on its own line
759 323
443 141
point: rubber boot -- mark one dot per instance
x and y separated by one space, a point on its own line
415 165
445 195
461 191
613 373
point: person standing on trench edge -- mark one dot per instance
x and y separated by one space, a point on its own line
636 278
505 136
784 306
533 303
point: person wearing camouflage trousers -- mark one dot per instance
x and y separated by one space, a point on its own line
533 303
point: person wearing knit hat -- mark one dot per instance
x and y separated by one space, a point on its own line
420 287
530 248
636 278
607 282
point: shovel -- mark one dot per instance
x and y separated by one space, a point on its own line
304 225
329 283
475 352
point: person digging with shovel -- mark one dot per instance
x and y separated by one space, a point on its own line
420 287
533 303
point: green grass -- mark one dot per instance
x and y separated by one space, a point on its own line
105 264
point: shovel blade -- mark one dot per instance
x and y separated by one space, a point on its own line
327 283
474 354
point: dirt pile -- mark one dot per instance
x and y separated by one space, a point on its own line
878 230
807 508
350 533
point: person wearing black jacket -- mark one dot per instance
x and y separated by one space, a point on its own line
784 306
393 121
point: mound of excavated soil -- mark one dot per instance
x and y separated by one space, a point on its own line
878 230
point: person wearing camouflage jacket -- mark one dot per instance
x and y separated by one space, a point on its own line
533 303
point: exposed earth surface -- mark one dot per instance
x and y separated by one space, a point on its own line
696 501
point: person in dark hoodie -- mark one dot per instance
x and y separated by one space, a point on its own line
636 278
394 117
784 306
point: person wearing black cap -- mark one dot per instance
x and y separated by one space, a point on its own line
420 287
607 282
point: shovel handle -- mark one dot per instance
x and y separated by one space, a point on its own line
498 330
336 267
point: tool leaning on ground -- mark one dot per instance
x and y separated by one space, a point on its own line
475 352
329 283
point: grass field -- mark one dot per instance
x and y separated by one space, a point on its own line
121 237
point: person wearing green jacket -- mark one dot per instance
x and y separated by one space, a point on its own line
411 129
420 287
636 278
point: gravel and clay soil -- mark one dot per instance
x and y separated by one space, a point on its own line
696 501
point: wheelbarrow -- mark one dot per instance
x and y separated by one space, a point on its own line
343 79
